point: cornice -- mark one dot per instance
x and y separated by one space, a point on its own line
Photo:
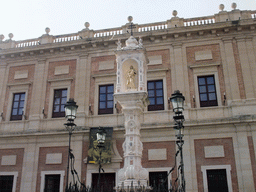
104 75
175 36
62 79
158 70
204 65
20 83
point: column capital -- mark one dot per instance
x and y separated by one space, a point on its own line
83 55
240 38
227 39
41 61
177 45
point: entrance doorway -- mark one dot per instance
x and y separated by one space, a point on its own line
107 181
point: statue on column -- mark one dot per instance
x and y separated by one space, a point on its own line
131 78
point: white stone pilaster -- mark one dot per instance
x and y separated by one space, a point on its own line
242 159
189 162
229 69
4 74
246 69
29 168
252 61
178 69
82 85
37 91
76 146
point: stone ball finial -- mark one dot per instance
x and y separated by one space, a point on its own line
1 37
47 30
130 18
233 6
10 35
87 25
221 7
174 13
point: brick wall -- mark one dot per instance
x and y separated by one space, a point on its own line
11 168
228 159
216 58
95 71
42 166
11 80
165 53
51 76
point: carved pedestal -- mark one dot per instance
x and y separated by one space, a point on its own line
132 172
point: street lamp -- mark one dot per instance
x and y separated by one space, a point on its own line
101 138
177 100
70 114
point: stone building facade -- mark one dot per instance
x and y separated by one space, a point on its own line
211 60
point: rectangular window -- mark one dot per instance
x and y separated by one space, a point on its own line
52 183
59 102
217 180
106 99
155 95
207 91
6 183
17 106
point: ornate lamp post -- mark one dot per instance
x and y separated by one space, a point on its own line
177 100
101 138
70 114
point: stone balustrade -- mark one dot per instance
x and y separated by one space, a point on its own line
199 21
86 33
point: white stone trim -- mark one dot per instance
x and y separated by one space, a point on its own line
22 74
203 55
157 154
228 171
53 158
161 169
8 160
155 60
205 71
15 176
43 173
214 151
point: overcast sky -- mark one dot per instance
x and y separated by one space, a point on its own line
27 19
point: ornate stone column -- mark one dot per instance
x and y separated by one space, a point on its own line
132 172
131 93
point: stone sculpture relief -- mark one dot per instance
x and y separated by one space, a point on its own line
131 78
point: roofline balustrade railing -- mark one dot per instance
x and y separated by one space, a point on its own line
112 32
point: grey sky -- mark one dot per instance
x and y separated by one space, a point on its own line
28 19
